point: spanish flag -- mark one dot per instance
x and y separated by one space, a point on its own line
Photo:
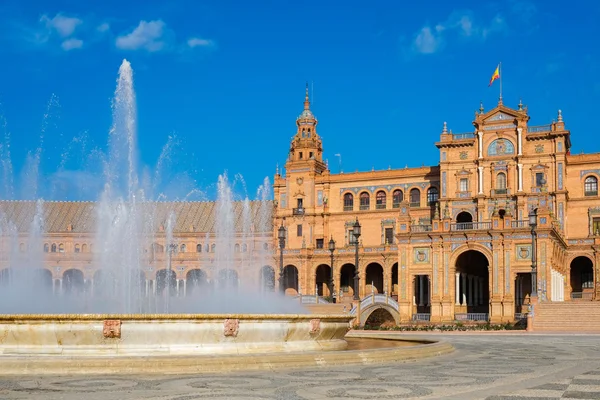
495 76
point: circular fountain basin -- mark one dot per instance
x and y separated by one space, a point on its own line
170 334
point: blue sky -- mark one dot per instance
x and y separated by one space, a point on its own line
226 78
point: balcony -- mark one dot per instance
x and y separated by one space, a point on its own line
467 226
364 207
462 136
539 128
420 228
348 208
519 224
414 204
298 211
499 191
380 206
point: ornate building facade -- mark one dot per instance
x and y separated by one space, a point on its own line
443 242
450 241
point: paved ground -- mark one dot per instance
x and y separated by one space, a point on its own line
485 366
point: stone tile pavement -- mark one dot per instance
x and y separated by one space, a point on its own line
485 366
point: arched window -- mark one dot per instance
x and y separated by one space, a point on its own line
77 249
380 200
198 248
244 248
432 195
591 186
365 201
236 248
397 198
53 248
265 246
206 248
182 248
501 183
61 248
348 202
212 247
415 197
84 248
46 247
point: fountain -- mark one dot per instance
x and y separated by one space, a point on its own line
120 313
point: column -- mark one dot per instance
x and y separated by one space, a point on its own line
457 290
480 169
519 141
177 288
469 290
480 143
184 287
60 286
520 177
464 291
154 287
518 291
421 297
146 289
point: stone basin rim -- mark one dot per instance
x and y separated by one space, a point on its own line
153 317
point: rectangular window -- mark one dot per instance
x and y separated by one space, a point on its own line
539 176
389 235
300 202
464 185
319 198
301 155
319 243
299 230
310 155
596 226
350 236
282 200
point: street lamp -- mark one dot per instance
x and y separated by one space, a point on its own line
331 284
281 237
533 225
356 234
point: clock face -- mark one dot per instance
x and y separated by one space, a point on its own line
299 181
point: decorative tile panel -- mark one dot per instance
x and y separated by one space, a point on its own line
560 176
507 273
561 215
523 251
421 255
435 273
444 184
498 127
500 147
500 116
319 198
589 171
495 272
403 275
446 289
389 188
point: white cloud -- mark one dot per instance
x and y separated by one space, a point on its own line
71 44
103 27
430 40
63 25
199 42
147 36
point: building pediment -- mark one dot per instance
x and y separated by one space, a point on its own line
500 116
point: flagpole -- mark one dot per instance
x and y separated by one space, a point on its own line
500 72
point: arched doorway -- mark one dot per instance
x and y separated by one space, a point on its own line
472 284
42 280
73 282
322 276
290 280
374 278
228 279
267 279
464 220
5 276
347 281
195 280
422 296
164 278
380 318
394 293
582 278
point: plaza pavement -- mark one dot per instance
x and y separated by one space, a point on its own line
492 366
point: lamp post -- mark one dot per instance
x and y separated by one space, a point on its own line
281 237
331 283
533 225
356 234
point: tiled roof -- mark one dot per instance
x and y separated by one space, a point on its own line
199 217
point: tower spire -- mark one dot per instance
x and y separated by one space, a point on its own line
306 100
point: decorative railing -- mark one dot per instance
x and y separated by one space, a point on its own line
348 208
591 193
420 228
415 204
461 136
380 206
582 295
463 195
467 226
539 128
520 316
298 211
364 207
311 299
499 191
421 317
471 317
519 224
377 298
